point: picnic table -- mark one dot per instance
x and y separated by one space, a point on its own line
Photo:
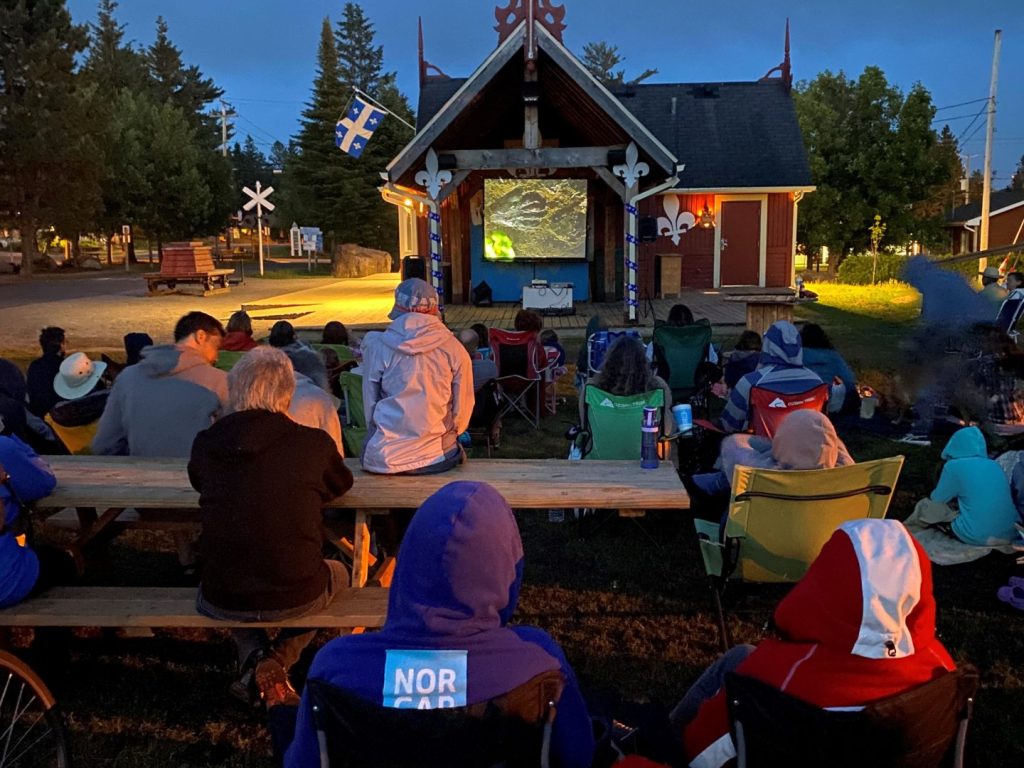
765 305
101 488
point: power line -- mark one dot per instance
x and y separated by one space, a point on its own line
980 111
272 101
961 104
266 134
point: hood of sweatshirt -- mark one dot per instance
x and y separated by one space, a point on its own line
966 443
460 565
868 594
806 440
781 345
414 333
248 433
168 359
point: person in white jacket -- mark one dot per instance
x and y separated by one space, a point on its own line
417 388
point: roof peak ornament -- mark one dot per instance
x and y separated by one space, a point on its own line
545 11
784 69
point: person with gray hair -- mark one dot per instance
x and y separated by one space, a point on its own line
263 481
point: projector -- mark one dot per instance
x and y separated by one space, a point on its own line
539 283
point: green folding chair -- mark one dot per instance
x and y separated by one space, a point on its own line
682 350
345 354
226 360
780 519
354 430
611 423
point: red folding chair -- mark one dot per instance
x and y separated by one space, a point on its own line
522 368
768 409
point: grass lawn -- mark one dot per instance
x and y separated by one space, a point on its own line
629 603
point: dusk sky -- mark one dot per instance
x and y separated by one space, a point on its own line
262 52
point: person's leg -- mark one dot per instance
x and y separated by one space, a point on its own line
708 684
281 724
290 643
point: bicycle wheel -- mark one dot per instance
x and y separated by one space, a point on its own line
32 733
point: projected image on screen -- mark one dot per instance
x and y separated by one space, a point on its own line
527 219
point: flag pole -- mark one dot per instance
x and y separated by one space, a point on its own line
381 107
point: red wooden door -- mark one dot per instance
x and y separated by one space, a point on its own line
741 242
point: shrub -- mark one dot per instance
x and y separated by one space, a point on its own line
856 269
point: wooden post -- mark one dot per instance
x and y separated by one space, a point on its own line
987 188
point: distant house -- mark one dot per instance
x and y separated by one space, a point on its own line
687 185
1006 222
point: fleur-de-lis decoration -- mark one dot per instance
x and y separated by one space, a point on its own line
632 170
674 223
432 179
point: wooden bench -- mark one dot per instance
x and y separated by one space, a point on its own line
101 488
176 607
188 263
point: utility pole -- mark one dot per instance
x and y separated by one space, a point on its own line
224 127
986 194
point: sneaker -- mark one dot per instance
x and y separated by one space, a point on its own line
274 686
915 439
244 689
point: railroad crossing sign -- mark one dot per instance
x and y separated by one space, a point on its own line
259 202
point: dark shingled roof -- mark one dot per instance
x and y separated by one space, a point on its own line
728 134
1000 199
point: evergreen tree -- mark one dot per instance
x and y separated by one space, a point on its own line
42 114
112 67
1017 182
186 88
601 60
110 63
318 181
249 165
369 220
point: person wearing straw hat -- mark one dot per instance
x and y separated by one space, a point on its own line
79 385
990 287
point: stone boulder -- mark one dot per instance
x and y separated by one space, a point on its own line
90 263
351 260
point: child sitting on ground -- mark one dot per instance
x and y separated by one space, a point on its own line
980 489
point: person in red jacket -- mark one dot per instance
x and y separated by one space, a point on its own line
859 627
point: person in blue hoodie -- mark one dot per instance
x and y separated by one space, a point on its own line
24 477
980 488
455 588
780 368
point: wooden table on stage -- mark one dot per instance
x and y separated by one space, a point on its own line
102 487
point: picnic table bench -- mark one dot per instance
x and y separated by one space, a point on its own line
176 607
188 263
101 488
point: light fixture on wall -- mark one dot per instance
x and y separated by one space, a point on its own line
707 217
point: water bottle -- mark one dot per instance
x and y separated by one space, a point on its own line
649 439
799 287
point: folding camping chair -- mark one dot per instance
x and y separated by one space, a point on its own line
598 345
611 423
611 428
512 730
768 409
354 428
78 440
679 351
522 368
1009 314
920 728
779 520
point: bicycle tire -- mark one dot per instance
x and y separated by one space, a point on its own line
32 732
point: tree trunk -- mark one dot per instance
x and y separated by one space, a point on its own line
76 249
110 248
131 255
28 245
159 250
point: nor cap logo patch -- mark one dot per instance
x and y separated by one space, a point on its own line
425 679
777 403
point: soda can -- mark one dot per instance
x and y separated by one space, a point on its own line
650 417
683 414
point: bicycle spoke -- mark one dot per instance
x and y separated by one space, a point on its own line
14 760
17 716
40 716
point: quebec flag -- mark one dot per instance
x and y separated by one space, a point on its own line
356 128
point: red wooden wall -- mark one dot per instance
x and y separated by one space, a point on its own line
779 253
